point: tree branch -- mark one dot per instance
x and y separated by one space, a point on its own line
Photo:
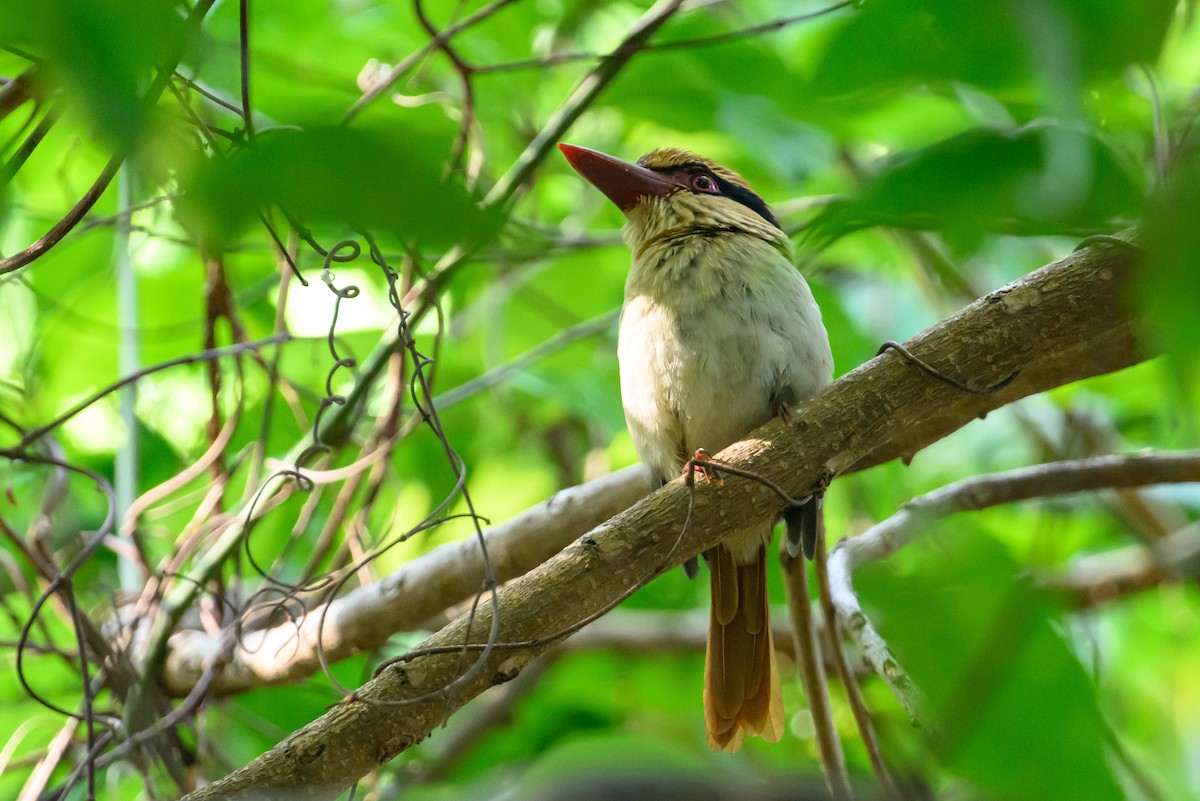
1103 577
920 514
179 598
808 643
365 618
1063 323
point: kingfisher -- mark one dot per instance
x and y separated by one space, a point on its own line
719 333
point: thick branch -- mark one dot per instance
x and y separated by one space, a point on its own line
1060 324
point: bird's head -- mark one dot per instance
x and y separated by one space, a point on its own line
672 193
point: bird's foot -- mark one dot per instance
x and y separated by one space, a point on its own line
697 465
781 410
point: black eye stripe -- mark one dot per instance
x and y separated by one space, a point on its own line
747 199
732 191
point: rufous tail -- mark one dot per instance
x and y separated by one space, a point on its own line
741 681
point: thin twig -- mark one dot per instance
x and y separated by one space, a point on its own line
61 228
862 716
555 59
41 774
584 94
464 71
1111 241
18 91
69 221
194 358
244 67
18 159
812 676
400 70
523 362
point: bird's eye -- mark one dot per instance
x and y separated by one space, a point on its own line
703 183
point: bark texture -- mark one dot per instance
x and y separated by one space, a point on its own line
1062 323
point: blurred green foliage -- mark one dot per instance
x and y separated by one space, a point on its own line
995 45
101 51
1169 286
381 179
922 152
998 677
987 180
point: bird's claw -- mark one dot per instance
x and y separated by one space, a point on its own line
697 464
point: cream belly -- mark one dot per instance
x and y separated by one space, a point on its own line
681 391
703 374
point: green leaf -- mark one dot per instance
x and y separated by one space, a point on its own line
1168 288
998 44
360 177
101 51
1039 179
984 647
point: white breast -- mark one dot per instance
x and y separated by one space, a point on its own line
712 334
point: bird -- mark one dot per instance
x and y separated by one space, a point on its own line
719 332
